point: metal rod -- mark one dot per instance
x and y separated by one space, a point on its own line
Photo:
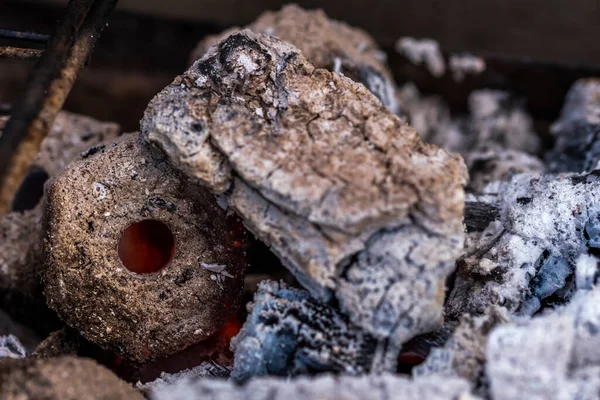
20 53
29 36
47 89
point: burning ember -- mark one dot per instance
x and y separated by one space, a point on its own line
397 249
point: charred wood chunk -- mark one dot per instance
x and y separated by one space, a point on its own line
326 43
577 131
552 356
325 386
347 196
526 258
289 333
138 259
61 378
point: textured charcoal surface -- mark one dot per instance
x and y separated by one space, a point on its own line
526 258
290 333
11 347
326 43
207 369
552 356
142 317
340 189
366 387
62 378
577 131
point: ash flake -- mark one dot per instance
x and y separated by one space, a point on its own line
219 272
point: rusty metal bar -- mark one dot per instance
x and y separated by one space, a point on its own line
29 36
20 53
47 89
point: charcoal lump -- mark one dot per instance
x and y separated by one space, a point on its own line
552 356
525 257
290 333
96 282
325 386
21 231
341 190
326 43
577 131
496 138
61 378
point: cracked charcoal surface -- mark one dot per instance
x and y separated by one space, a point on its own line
577 131
290 333
141 317
340 189
61 378
326 43
526 258
552 356
464 354
366 387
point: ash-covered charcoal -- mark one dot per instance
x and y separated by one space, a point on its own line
496 138
21 256
463 65
365 387
525 259
577 131
11 347
207 369
463 355
289 333
494 163
553 356
62 378
21 231
114 221
341 190
326 43
423 51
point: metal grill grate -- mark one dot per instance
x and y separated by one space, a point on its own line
67 51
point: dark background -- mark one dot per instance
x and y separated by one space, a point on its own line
550 30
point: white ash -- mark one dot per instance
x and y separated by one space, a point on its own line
525 259
553 356
423 52
577 131
587 271
366 387
11 347
208 369
289 333
330 179
465 64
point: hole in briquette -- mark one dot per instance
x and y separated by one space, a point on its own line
146 247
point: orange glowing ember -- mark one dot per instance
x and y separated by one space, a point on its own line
146 246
